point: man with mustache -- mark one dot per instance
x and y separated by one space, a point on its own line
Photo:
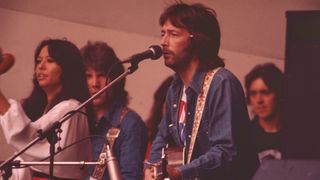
206 112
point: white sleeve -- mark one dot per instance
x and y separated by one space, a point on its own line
19 130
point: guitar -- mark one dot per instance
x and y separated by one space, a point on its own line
6 62
172 156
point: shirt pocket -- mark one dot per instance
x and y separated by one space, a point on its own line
204 128
203 134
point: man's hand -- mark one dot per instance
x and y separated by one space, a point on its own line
173 173
148 174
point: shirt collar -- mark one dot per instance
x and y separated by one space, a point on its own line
112 109
195 83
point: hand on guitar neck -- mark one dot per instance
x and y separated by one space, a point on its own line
173 173
6 62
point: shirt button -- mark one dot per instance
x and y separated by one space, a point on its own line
189 113
189 136
175 105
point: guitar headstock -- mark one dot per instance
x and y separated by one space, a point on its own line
6 62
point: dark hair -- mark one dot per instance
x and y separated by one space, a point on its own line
101 57
271 76
159 98
73 79
201 22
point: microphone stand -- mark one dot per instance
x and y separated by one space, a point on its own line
50 133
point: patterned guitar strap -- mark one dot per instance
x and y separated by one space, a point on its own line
111 137
199 109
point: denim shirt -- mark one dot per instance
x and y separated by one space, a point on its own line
223 148
130 146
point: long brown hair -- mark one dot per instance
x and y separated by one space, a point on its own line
73 80
201 22
101 57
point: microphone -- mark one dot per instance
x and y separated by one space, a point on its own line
112 165
154 52
6 62
109 161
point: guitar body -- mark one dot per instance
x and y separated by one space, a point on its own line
172 156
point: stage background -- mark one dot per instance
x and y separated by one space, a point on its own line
250 35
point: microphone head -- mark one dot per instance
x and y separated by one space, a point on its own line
6 62
156 51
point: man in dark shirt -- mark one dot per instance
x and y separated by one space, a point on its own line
264 85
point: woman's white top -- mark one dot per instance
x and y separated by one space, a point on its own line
19 130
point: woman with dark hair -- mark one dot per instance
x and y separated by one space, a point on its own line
59 87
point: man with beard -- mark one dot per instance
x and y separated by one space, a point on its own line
206 112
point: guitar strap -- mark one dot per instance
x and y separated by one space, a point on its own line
111 137
199 109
